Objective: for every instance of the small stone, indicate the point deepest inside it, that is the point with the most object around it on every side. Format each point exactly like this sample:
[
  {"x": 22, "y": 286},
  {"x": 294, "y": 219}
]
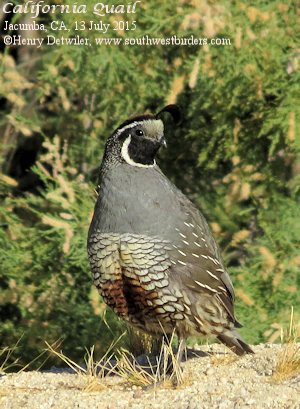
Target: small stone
[
  {"x": 209, "y": 371},
  {"x": 243, "y": 392},
  {"x": 267, "y": 346},
  {"x": 137, "y": 394}
]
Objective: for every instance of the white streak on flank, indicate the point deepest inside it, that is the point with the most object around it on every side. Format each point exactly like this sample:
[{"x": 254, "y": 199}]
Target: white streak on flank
[
  {"x": 220, "y": 269},
  {"x": 202, "y": 255},
  {"x": 175, "y": 247},
  {"x": 196, "y": 235},
  {"x": 203, "y": 239},
  {"x": 197, "y": 244},
  {"x": 199, "y": 321},
  {"x": 222, "y": 288},
  {"x": 212, "y": 275},
  {"x": 201, "y": 285},
  {"x": 187, "y": 224},
  {"x": 182, "y": 235},
  {"x": 173, "y": 262},
  {"x": 181, "y": 262},
  {"x": 191, "y": 224},
  {"x": 195, "y": 255},
  {"x": 181, "y": 252},
  {"x": 214, "y": 260},
  {"x": 206, "y": 286},
  {"x": 186, "y": 242},
  {"x": 176, "y": 229},
  {"x": 127, "y": 158}
]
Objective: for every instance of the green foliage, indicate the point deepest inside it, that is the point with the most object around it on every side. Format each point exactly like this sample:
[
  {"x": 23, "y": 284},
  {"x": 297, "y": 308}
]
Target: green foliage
[
  {"x": 235, "y": 154},
  {"x": 46, "y": 285}
]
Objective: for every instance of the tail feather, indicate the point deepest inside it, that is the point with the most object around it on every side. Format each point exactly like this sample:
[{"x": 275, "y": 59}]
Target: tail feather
[{"x": 235, "y": 342}]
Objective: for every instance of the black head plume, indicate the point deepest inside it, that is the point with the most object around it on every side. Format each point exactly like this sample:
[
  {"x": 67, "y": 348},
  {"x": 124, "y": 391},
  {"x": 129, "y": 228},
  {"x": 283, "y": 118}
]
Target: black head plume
[{"x": 172, "y": 109}]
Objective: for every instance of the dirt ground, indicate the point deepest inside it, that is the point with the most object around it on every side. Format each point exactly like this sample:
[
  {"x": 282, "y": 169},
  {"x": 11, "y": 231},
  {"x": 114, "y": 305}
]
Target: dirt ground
[{"x": 218, "y": 380}]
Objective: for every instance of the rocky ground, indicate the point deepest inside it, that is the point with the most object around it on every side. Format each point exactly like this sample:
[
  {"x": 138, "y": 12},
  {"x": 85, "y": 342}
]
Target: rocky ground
[{"x": 218, "y": 380}]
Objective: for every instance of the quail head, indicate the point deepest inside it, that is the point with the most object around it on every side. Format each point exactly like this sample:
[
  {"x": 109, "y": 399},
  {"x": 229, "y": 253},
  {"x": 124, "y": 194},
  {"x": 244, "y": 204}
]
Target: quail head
[{"x": 153, "y": 257}]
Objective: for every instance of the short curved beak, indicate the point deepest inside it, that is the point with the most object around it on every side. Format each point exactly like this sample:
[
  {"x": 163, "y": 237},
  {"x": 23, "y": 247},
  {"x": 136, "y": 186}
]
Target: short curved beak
[{"x": 163, "y": 142}]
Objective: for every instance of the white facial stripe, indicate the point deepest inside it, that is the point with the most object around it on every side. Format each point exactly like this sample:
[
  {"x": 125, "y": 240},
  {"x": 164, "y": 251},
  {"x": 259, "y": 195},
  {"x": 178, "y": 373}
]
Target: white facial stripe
[
  {"x": 127, "y": 158},
  {"x": 128, "y": 127},
  {"x": 136, "y": 123}
]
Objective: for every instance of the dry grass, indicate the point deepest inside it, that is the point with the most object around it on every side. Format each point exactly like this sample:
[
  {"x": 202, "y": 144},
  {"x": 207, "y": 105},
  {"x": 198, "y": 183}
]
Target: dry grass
[
  {"x": 7, "y": 362},
  {"x": 162, "y": 370},
  {"x": 93, "y": 372},
  {"x": 5, "y": 355},
  {"x": 288, "y": 363}
]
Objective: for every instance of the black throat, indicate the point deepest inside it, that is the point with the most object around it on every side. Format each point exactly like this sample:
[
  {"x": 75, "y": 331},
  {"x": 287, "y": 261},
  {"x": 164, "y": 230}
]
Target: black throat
[{"x": 143, "y": 151}]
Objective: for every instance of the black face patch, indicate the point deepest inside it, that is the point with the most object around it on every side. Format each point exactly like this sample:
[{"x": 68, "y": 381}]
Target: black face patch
[{"x": 142, "y": 150}]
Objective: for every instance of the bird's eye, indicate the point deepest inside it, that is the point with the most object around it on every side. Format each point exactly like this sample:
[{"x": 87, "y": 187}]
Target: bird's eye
[{"x": 139, "y": 132}]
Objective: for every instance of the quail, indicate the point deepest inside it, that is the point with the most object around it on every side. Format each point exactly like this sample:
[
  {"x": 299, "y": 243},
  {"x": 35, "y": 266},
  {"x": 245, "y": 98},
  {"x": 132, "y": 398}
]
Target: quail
[{"x": 152, "y": 254}]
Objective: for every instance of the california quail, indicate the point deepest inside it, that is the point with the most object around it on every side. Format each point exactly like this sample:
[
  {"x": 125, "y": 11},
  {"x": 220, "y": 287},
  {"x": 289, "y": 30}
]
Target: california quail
[{"x": 153, "y": 257}]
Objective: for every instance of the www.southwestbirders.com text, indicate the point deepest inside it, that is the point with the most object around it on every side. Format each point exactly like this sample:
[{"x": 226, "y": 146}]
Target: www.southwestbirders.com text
[
  {"x": 173, "y": 40},
  {"x": 50, "y": 40}
]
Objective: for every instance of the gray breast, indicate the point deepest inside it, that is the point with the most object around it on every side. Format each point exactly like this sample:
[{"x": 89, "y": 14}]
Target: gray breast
[{"x": 138, "y": 201}]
